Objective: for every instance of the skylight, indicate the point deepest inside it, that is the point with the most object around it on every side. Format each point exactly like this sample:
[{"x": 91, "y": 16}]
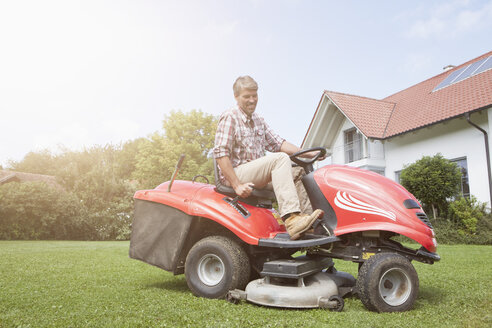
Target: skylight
[{"x": 465, "y": 72}]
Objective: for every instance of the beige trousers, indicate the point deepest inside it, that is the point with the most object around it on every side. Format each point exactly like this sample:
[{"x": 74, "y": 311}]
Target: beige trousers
[{"x": 275, "y": 172}]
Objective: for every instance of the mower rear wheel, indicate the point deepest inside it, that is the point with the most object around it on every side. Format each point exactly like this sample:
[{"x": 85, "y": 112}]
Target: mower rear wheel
[
  {"x": 216, "y": 265},
  {"x": 388, "y": 282}
]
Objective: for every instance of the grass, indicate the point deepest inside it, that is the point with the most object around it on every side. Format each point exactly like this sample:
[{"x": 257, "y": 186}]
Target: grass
[{"x": 95, "y": 284}]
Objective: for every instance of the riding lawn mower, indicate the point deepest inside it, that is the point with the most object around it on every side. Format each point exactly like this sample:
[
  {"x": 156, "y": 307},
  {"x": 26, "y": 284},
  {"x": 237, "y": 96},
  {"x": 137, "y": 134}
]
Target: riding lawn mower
[{"x": 238, "y": 249}]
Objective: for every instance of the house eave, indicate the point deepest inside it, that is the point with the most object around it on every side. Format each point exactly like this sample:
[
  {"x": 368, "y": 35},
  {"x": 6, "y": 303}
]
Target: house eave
[{"x": 433, "y": 123}]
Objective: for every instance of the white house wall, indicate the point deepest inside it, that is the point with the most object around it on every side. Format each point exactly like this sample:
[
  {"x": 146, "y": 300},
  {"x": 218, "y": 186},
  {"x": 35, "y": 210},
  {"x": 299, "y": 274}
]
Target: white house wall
[
  {"x": 376, "y": 150},
  {"x": 453, "y": 139}
]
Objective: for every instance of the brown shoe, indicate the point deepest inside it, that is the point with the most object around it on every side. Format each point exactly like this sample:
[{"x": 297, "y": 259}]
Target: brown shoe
[{"x": 298, "y": 223}]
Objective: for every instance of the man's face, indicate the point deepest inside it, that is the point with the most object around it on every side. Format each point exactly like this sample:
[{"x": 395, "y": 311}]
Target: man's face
[{"x": 247, "y": 100}]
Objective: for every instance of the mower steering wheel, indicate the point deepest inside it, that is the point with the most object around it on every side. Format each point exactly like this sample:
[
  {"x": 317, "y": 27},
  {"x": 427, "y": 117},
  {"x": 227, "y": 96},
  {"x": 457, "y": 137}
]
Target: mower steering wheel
[{"x": 303, "y": 163}]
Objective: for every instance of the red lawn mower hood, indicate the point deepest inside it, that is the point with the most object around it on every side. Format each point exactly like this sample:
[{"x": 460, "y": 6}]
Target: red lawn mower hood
[{"x": 364, "y": 200}]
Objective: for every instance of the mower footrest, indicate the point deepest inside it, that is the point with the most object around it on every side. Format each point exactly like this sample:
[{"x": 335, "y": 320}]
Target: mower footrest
[{"x": 282, "y": 240}]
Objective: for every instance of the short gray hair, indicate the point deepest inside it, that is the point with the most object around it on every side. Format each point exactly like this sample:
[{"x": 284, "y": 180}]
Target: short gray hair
[{"x": 244, "y": 82}]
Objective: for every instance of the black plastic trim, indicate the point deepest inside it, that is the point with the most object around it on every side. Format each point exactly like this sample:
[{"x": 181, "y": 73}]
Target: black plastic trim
[
  {"x": 424, "y": 253},
  {"x": 423, "y": 217},
  {"x": 410, "y": 203},
  {"x": 238, "y": 207},
  {"x": 319, "y": 201}
]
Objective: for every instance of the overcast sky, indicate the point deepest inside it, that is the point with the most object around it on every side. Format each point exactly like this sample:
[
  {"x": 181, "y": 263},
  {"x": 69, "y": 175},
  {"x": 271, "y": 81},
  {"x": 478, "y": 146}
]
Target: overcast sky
[{"x": 79, "y": 73}]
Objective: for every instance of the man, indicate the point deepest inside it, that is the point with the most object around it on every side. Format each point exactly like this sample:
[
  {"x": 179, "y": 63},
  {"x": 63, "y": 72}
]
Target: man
[{"x": 240, "y": 143}]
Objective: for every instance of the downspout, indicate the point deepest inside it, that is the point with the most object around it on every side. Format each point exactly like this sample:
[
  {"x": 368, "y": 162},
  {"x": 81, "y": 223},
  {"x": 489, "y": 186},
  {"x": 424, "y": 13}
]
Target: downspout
[{"x": 487, "y": 153}]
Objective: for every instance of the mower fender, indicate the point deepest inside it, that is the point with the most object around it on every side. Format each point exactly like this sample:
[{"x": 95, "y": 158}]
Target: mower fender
[
  {"x": 254, "y": 224},
  {"x": 428, "y": 241},
  {"x": 201, "y": 200}
]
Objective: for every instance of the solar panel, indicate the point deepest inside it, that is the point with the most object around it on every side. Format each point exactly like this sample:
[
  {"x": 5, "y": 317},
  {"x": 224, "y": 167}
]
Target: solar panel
[
  {"x": 469, "y": 70},
  {"x": 447, "y": 81},
  {"x": 486, "y": 65},
  {"x": 459, "y": 75}
]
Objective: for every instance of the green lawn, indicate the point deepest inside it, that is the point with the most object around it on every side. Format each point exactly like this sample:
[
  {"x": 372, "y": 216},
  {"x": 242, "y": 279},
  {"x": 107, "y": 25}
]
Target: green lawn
[{"x": 95, "y": 284}]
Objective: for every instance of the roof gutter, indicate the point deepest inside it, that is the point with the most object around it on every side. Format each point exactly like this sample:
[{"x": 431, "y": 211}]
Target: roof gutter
[{"x": 487, "y": 152}]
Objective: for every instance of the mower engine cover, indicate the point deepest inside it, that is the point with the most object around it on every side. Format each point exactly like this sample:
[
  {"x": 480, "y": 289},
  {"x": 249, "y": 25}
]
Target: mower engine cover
[{"x": 363, "y": 201}]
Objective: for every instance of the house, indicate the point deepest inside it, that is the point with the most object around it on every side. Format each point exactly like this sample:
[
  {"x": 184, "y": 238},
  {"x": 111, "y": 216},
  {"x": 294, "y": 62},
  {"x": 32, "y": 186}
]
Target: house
[
  {"x": 450, "y": 113},
  {"x": 13, "y": 176}
]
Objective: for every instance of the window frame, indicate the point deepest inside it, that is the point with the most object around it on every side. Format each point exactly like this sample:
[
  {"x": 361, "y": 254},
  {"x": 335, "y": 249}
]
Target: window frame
[{"x": 351, "y": 153}]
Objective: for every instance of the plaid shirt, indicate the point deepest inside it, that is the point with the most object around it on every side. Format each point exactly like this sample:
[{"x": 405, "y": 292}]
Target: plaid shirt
[{"x": 244, "y": 139}]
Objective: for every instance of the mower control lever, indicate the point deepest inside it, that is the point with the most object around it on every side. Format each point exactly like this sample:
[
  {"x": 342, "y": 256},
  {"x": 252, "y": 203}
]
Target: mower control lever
[{"x": 178, "y": 166}]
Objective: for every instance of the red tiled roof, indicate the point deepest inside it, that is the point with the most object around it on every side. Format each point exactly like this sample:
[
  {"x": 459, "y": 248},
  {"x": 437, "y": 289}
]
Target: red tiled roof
[
  {"x": 417, "y": 106},
  {"x": 10, "y": 176},
  {"x": 368, "y": 120}
]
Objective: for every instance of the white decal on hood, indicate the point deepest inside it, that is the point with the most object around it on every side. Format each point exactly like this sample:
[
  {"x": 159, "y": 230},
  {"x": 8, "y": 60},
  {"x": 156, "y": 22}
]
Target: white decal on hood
[{"x": 350, "y": 203}]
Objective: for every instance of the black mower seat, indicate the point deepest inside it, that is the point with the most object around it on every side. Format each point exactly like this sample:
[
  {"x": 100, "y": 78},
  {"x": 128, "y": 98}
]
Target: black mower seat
[{"x": 229, "y": 191}]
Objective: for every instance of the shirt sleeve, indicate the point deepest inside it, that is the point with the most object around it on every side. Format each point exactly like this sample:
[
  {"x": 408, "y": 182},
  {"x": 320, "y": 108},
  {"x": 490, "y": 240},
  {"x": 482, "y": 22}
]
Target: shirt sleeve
[
  {"x": 273, "y": 140},
  {"x": 224, "y": 137}
]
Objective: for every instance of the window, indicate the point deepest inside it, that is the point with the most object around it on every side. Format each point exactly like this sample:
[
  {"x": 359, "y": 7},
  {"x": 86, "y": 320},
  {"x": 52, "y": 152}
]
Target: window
[
  {"x": 397, "y": 176},
  {"x": 352, "y": 145},
  {"x": 465, "y": 187}
]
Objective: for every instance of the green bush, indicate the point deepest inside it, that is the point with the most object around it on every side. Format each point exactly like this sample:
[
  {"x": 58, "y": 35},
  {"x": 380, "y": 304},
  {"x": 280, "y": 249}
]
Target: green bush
[
  {"x": 113, "y": 221},
  {"x": 36, "y": 210},
  {"x": 467, "y": 212},
  {"x": 450, "y": 232},
  {"x": 108, "y": 203}
]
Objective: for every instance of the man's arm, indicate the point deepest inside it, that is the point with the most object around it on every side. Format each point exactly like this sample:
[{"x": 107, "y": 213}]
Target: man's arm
[
  {"x": 290, "y": 149},
  {"x": 242, "y": 189},
  {"x": 223, "y": 146}
]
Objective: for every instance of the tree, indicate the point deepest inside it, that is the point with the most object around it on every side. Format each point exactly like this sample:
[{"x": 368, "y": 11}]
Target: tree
[
  {"x": 98, "y": 200},
  {"x": 189, "y": 133},
  {"x": 432, "y": 180},
  {"x": 97, "y": 180},
  {"x": 42, "y": 162},
  {"x": 126, "y": 158},
  {"x": 93, "y": 176}
]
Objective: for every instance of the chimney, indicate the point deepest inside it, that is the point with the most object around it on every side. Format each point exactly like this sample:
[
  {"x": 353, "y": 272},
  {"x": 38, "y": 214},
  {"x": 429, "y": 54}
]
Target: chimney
[{"x": 447, "y": 68}]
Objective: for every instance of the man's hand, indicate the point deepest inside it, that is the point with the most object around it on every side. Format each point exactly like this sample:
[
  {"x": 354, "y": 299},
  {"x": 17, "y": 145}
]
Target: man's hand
[
  {"x": 311, "y": 154},
  {"x": 290, "y": 149},
  {"x": 244, "y": 190}
]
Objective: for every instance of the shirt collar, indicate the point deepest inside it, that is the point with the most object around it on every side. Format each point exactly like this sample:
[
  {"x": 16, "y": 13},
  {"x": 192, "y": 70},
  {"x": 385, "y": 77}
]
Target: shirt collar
[{"x": 245, "y": 118}]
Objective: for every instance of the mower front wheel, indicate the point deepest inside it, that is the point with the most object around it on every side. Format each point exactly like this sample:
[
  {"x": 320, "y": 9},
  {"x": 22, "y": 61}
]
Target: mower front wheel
[
  {"x": 388, "y": 282},
  {"x": 216, "y": 265}
]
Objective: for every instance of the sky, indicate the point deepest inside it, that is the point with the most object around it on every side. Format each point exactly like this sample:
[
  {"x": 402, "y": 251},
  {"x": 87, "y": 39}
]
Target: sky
[{"x": 74, "y": 74}]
